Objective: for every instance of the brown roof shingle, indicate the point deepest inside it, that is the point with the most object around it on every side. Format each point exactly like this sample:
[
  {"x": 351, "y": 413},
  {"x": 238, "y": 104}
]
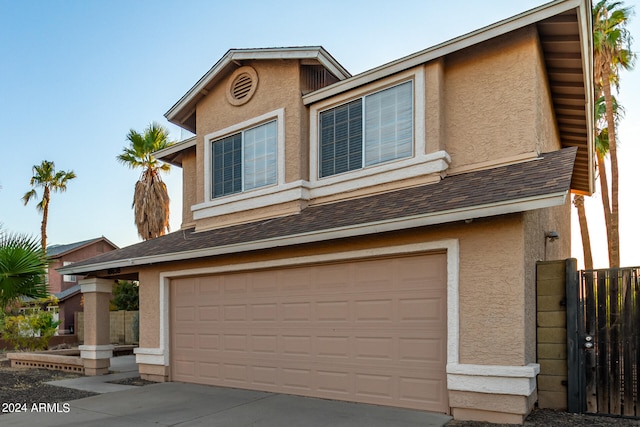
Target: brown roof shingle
[{"x": 546, "y": 175}]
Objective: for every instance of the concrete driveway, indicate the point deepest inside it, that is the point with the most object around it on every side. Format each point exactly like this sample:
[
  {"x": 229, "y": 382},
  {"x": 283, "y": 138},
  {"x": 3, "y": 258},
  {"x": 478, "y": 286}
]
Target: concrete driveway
[{"x": 178, "y": 404}]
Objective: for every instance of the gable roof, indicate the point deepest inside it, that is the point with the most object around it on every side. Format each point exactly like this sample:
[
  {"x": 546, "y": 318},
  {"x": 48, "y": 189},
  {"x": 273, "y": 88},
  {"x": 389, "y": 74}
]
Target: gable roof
[
  {"x": 535, "y": 184},
  {"x": 182, "y": 113},
  {"x": 56, "y": 251},
  {"x": 565, "y": 32}
]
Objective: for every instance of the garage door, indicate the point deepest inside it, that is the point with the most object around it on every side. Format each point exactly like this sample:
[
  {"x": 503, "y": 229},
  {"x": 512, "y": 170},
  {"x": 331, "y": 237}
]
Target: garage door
[{"x": 371, "y": 331}]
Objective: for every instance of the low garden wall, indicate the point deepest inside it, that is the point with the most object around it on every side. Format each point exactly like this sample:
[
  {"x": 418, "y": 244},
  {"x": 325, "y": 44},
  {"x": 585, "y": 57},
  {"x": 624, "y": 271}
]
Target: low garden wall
[{"x": 54, "y": 341}]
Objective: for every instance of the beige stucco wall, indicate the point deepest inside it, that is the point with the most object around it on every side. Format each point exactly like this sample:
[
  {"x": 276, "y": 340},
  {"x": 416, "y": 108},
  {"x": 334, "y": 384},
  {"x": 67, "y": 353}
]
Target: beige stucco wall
[
  {"x": 189, "y": 188},
  {"x": 485, "y": 106},
  {"x": 490, "y": 95},
  {"x": 149, "y": 303},
  {"x": 492, "y": 283},
  {"x": 278, "y": 87}
]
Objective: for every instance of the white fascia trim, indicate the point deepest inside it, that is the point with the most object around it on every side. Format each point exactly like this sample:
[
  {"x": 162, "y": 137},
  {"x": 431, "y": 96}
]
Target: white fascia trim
[
  {"x": 258, "y": 198},
  {"x": 175, "y": 148},
  {"x": 278, "y": 116},
  {"x": 483, "y": 211},
  {"x": 451, "y": 246},
  {"x": 247, "y": 54},
  {"x": 483, "y": 34},
  {"x": 317, "y": 53},
  {"x": 512, "y": 380}
]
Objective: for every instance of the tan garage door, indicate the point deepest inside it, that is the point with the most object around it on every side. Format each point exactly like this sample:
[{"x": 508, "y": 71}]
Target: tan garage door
[{"x": 370, "y": 331}]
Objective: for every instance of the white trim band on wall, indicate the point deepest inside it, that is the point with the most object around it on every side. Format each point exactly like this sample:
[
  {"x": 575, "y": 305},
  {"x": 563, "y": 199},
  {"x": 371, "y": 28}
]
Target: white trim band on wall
[
  {"x": 150, "y": 356},
  {"x": 513, "y": 380},
  {"x": 95, "y": 352}
]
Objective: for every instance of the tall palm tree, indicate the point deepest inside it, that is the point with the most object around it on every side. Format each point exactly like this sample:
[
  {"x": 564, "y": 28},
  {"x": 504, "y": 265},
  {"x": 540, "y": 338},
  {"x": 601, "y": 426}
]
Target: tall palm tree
[
  {"x": 578, "y": 201},
  {"x": 46, "y": 177},
  {"x": 612, "y": 52},
  {"x": 23, "y": 265},
  {"x": 150, "y": 197}
]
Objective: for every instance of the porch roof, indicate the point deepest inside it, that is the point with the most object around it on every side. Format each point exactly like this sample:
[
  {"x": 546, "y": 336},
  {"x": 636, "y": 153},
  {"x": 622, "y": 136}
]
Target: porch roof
[{"x": 534, "y": 184}]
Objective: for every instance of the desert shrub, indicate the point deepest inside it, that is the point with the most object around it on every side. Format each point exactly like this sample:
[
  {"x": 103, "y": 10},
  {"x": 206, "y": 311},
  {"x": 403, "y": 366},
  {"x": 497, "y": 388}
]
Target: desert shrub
[{"x": 30, "y": 331}]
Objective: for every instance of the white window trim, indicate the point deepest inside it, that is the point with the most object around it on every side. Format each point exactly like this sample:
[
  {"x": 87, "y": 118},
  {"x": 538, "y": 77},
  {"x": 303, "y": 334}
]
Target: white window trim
[
  {"x": 209, "y": 201},
  {"x": 417, "y": 165}
]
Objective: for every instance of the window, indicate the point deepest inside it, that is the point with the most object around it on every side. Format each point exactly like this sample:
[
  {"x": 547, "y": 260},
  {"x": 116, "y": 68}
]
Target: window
[
  {"x": 374, "y": 129},
  {"x": 245, "y": 160},
  {"x": 66, "y": 277}
]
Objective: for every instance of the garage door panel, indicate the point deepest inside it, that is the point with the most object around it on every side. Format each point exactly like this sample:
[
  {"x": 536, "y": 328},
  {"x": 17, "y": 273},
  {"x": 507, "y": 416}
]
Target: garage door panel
[{"x": 368, "y": 331}]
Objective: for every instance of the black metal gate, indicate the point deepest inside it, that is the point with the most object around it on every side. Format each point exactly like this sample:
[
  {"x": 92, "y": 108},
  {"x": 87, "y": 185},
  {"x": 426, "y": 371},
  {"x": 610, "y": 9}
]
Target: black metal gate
[{"x": 603, "y": 341}]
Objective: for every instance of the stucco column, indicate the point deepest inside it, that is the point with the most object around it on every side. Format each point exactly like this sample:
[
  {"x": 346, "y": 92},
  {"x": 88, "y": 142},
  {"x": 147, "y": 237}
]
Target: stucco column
[{"x": 97, "y": 350}]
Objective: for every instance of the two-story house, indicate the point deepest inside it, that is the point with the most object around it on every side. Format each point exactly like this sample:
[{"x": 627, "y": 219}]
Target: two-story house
[{"x": 369, "y": 238}]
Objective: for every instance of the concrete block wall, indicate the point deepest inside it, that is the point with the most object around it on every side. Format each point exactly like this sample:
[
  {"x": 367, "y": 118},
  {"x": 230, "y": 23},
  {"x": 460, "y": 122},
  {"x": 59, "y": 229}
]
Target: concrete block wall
[
  {"x": 121, "y": 327},
  {"x": 552, "y": 335}
]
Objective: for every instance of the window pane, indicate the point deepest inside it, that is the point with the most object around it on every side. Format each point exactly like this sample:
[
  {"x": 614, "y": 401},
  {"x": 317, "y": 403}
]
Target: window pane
[
  {"x": 341, "y": 139},
  {"x": 389, "y": 124},
  {"x": 227, "y": 165},
  {"x": 260, "y": 165}
]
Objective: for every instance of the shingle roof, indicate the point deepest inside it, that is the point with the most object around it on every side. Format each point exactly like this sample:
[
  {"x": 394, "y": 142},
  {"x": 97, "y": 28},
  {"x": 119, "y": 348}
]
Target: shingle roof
[
  {"x": 57, "y": 250},
  {"x": 67, "y": 293},
  {"x": 547, "y": 175}
]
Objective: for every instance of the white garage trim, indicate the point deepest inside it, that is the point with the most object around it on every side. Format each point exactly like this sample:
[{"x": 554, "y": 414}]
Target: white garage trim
[{"x": 459, "y": 376}]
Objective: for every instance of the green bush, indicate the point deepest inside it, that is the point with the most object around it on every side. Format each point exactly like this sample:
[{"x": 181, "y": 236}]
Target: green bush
[{"x": 30, "y": 331}]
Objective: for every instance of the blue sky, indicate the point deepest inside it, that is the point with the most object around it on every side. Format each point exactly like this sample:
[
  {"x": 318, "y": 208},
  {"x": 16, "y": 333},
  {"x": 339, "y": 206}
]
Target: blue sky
[{"x": 76, "y": 75}]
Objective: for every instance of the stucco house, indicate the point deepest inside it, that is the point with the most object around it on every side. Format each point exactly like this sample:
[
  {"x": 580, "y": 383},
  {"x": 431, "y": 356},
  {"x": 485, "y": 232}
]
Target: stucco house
[
  {"x": 66, "y": 287},
  {"x": 369, "y": 238}
]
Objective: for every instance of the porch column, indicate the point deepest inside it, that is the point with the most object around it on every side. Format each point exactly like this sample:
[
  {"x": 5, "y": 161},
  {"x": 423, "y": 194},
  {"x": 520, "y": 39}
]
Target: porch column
[{"x": 97, "y": 350}]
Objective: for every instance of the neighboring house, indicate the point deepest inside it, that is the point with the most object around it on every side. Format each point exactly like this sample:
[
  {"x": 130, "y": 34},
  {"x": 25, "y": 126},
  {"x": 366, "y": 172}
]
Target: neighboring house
[
  {"x": 65, "y": 287},
  {"x": 369, "y": 238}
]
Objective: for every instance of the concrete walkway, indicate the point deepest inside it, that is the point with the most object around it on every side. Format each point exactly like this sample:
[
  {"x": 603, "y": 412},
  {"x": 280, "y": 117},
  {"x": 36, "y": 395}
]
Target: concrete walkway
[
  {"x": 121, "y": 367},
  {"x": 179, "y": 404}
]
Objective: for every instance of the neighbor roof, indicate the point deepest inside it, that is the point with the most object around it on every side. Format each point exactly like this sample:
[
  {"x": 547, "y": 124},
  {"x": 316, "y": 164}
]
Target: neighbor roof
[
  {"x": 535, "y": 184},
  {"x": 56, "y": 251}
]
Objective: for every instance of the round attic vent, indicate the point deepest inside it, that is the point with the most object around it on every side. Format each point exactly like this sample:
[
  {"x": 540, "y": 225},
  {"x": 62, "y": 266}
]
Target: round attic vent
[{"x": 242, "y": 85}]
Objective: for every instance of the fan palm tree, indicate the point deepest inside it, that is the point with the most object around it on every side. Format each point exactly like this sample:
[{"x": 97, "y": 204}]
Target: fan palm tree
[
  {"x": 23, "y": 266},
  {"x": 150, "y": 197},
  {"x": 46, "y": 177},
  {"x": 612, "y": 52}
]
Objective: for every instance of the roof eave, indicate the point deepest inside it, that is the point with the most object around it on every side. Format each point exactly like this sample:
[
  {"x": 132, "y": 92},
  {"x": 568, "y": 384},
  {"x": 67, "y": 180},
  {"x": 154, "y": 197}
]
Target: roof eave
[
  {"x": 172, "y": 154},
  {"x": 456, "y": 44},
  {"x": 185, "y": 107},
  {"x": 443, "y": 217}
]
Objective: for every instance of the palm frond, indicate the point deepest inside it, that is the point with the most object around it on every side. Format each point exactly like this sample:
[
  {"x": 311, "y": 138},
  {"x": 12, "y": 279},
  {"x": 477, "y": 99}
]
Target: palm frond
[{"x": 23, "y": 266}]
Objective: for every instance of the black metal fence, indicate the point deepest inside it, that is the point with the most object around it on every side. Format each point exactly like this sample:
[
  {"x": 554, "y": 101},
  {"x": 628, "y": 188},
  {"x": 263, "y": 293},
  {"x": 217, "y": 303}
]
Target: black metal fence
[{"x": 606, "y": 343}]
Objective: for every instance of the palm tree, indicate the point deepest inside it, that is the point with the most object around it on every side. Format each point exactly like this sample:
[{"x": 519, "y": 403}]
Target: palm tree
[
  {"x": 46, "y": 177},
  {"x": 150, "y": 197},
  {"x": 578, "y": 201},
  {"x": 23, "y": 266},
  {"x": 611, "y": 45}
]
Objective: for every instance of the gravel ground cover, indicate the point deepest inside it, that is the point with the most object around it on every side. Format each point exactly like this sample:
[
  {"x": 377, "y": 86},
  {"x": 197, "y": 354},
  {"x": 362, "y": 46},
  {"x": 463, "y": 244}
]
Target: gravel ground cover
[{"x": 550, "y": 418}]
